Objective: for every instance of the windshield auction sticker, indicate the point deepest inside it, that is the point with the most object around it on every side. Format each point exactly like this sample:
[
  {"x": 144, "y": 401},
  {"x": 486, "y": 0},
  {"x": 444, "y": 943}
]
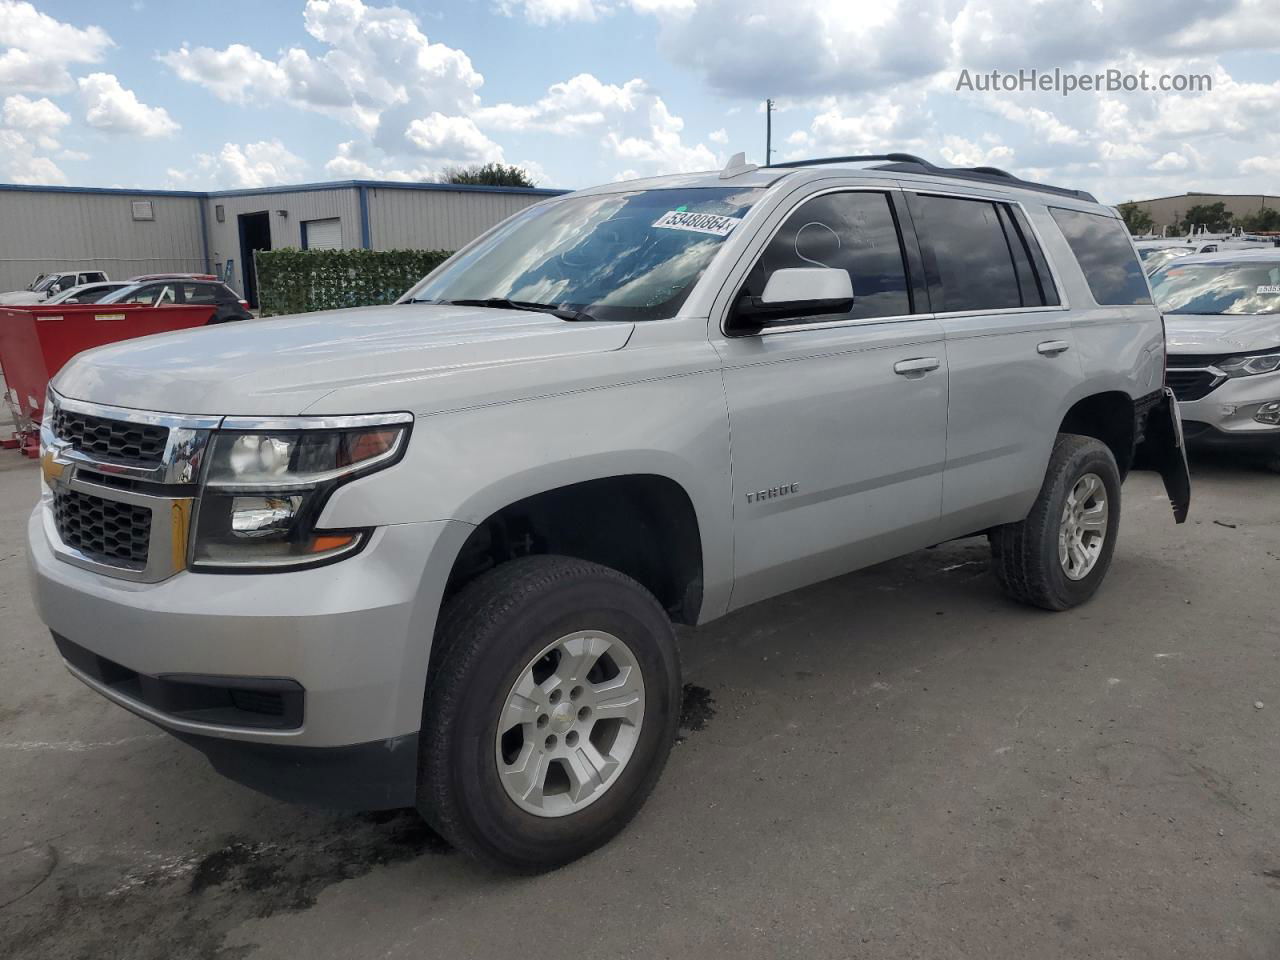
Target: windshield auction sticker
[
  {"x": 1269, "y": 288},
  {"x": 697, "y": 222}
]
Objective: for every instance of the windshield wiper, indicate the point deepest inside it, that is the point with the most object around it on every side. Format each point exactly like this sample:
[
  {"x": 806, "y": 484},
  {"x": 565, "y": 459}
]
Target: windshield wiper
[{"x": 504, "y": 303}]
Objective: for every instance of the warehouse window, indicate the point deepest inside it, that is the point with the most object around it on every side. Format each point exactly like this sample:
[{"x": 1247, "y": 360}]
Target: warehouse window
[
  {"x": 142, "y": 210},
  {"x": 322, "y": 234}
]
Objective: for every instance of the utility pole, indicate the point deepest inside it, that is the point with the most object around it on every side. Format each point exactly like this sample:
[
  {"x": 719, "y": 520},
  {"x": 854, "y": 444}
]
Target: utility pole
[{"x": 768, "y": 132}]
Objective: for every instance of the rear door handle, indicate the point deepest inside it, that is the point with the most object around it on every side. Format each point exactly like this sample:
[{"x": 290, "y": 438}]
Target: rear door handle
[
  {"x": 919, "y": 365},
  {"x": 1053, "y": 348}
]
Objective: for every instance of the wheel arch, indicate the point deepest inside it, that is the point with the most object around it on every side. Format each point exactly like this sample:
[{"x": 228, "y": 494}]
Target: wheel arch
[
  {"x": 642, "y": 523},
  {"x": 1107, "y": 416}
]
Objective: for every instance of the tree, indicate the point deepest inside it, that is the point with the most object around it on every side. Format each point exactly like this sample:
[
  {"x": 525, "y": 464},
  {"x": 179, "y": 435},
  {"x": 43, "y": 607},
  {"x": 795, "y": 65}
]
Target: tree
[
  {"x": 1208, "y": 216},
  {"x": 1136, "y": 219},
  {"x": 1265, "y": 219},
  {"x": 490, "y": 175}
]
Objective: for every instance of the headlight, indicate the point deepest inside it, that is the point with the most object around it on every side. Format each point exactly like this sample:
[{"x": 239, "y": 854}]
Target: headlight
[
  {"x": 264, "y": 491},
  {"x": 1250, "y": 366}
]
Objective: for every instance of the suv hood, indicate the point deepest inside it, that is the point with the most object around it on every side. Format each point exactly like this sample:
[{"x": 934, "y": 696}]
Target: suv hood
[
  {"x": 20, "y": 298},
  {"x": 282, "y": 366},
  {"x": 1221, "y": 333}
]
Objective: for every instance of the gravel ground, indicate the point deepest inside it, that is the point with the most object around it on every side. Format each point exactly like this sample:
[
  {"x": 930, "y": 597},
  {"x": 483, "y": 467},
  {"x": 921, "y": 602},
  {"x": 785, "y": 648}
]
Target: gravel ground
[{"x": 897, "y": 763}]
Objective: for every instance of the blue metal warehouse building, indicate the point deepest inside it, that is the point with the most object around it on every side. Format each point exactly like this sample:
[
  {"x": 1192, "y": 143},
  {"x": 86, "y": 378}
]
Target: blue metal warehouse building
[{"x": 129, "y": 232}]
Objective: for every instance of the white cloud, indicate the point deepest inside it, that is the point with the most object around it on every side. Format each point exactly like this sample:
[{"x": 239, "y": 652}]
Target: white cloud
[
  {"x": 42, "y": 116},
  {"x": 633, "y": 122},
  {"x": 720, "y": 136},
  {"x": 661, "y": 150},
  {"x": 112, "y": 108},
  {"x": 542, "y": 12},
  {"x": 1264, "y": 166},
  {"x": 379, "y": 71},
  {"x": 451, "y": 138},
  {"x": 36, "y": 48},
  {"x": 578, "y": 103},
  {"x": 261, "y": 164},
  {"x": 1171, "y": 161},
  {"x": 20, "y": 161}
]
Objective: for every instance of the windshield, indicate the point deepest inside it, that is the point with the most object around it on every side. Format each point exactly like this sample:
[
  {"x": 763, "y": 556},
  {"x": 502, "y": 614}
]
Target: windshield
[
  {"x": 84, "y": 294},
  {"x": 1241, "y": 289},
  {"x": 1153, "y": 258},
  {"x": 46, "y": 283},
  {"x": 616, "y": 256}
]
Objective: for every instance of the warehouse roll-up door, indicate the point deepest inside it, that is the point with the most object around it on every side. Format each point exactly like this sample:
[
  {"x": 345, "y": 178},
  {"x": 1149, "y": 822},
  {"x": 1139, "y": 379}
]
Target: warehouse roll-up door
[{"x": 322, "y": 234}]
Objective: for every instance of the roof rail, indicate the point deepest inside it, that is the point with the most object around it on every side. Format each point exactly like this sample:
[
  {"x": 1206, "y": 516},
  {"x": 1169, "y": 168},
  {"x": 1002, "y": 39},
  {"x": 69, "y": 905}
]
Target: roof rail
[{"x": 908, "y": 163}]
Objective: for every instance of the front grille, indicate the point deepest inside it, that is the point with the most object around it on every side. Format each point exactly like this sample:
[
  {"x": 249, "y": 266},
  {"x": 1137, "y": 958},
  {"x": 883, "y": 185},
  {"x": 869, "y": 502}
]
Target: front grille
[
  {"x": 115, "y": 533},
  {"x": 113, "y": 439},
  {"x": 1192, "y": 384}
]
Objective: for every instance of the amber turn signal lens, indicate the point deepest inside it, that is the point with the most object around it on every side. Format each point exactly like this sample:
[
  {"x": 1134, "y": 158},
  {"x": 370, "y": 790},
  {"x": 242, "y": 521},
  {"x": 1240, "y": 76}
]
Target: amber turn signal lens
[
  {"x": 358, "y": 447},
  {"x": 331, "y": 541}
]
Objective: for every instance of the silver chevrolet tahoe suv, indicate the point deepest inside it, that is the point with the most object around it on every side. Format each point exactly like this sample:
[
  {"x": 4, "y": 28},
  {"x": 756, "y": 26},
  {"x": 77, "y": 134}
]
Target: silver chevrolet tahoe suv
[{"x": 430, "y": 553}]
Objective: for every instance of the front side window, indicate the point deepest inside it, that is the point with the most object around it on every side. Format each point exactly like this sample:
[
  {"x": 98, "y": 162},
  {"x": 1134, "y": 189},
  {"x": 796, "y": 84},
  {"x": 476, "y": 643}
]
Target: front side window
[
  {"x": 1239, "y": 289},
  {"x": 1105, "y": 254},
  {"x": 145, "y": 294},
  {"x": 615, "y": 256},
  {"x": 855, "y": 232}
]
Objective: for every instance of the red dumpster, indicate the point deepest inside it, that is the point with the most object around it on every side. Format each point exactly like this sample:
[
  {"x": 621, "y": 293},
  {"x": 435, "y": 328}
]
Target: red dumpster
[{"x": 36, "y": 341}]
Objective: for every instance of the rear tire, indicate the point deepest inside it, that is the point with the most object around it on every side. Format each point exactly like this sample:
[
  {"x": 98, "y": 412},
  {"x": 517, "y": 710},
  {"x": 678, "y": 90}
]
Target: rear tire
[
  {"x": 1059, "y": 555},
  {"x": 550, "y": 712}
]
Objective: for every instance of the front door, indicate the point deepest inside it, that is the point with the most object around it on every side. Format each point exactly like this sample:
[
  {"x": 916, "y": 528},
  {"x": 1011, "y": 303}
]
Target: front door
[{"x": 837, "y": 422}]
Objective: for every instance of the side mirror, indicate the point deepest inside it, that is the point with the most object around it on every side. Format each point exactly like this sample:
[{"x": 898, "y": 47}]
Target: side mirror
[{"x": 796, "y": 292}]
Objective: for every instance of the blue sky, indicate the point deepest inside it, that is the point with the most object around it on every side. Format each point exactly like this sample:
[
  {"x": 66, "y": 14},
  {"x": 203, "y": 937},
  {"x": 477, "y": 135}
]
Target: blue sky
[{"x": 237, "y": 93}]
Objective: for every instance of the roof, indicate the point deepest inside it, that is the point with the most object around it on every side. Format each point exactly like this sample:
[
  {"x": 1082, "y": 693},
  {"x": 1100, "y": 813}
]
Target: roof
[
  {"x": 760, "y": 177},
  {"x": 286, "y": 188},
  {"x": 1265, "y": 255}
]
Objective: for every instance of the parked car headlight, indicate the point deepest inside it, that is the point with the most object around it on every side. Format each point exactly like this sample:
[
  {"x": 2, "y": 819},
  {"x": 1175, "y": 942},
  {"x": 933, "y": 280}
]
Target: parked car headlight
[
  {"x": 264, "y": 491},
  {"x": 1250, "y": 366}
]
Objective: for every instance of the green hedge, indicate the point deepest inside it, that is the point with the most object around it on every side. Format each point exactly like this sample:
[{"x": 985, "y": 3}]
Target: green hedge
[{"x": 299, "y": 281}]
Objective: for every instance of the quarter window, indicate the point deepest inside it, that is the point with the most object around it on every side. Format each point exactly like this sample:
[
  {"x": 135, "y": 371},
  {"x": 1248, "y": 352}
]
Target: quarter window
[
  {"x": 856, "y": 232},
  {"x": 1105, "y": 254}
]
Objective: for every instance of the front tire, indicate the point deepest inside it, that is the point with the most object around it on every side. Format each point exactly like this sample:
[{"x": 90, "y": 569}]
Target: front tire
[
  {"x": 550, "y": 712},
  {"x": 1059, "y": 555}
]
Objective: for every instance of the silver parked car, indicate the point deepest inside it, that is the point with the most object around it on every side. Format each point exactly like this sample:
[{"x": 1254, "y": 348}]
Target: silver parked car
[
  {"x": 1222, "y": 312},
  {"x": 430, "y": 553}
]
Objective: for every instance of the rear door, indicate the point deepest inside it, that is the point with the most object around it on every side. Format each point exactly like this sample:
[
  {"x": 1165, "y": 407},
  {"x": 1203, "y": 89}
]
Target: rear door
[
  {"x": 1010, "y": 351},
  {"x": 837, "y": 422}
]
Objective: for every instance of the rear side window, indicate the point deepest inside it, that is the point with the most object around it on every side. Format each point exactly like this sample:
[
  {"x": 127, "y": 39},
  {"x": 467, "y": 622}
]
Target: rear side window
[
  {"x": 856, "y": 232},
  {"x": 1103, "y": 249},
  {"x": 980, "y": 256},
  {"x": 198, "y": 293}
]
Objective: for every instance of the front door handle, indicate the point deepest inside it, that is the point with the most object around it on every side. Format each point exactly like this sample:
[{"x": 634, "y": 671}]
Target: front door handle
[
  {"x": 1053, "y": 348},
  {"x": 917, "y": 366}
]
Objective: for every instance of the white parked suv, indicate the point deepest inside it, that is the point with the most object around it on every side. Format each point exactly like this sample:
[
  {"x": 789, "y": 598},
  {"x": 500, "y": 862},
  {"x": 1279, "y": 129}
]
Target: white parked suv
[
  {"x": 430, "y": 553},
  {"x": 1222, "y": 311}
]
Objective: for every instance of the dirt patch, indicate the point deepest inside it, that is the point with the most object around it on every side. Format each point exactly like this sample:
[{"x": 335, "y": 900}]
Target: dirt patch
[
  {"x": 696, "y": 708},
  {"x": 181, "y": 907}
]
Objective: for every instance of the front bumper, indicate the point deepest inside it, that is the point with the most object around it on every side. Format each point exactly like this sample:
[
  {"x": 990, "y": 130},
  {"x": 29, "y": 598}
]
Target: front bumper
[
  {"x": 1229, "y": 409},
  {"x": 354, "y": 637},
  {"x": 1207, "y": 438}
]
